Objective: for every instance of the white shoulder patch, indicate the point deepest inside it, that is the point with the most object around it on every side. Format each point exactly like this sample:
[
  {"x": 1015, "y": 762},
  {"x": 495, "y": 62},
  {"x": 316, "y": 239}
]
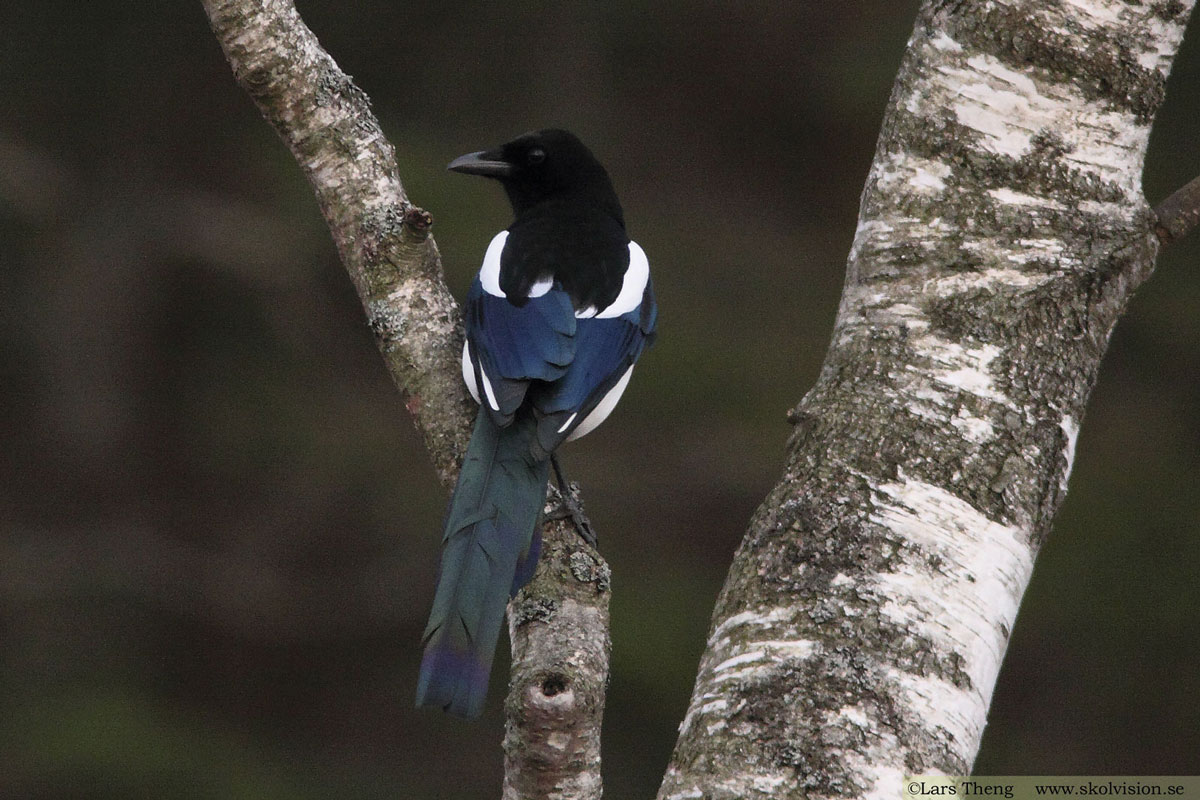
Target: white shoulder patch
[
  {"x": 489, "y": 273},
  {"x": 632, "y": 287},
  {"x": 541, "y": 287},
  {"x": 468, "y": 370}
]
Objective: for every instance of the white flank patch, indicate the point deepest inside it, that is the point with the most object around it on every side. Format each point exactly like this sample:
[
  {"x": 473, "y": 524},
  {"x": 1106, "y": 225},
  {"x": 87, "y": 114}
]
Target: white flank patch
[
  {"x": 959, "y": 585},
  {"x": 468, "y": 370},
  {"x": 602, "y": 409},
  {"x": 489, "y": 273}
]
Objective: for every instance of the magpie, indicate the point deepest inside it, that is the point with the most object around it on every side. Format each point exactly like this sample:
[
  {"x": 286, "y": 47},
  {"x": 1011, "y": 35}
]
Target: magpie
[{"x": 560, "y": 311}]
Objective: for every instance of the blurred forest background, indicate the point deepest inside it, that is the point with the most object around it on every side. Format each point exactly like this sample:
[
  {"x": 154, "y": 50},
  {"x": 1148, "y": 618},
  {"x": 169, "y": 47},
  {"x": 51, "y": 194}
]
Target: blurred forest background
[{"x": 219, "y": 529}]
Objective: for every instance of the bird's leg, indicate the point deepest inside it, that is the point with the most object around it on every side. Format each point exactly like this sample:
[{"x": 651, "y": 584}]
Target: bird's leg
[{"x": 570, "y": 506}]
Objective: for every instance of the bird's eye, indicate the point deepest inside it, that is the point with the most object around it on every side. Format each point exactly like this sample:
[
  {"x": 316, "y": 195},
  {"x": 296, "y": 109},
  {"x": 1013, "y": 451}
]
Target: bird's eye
[{"x": 535, "y": 156}]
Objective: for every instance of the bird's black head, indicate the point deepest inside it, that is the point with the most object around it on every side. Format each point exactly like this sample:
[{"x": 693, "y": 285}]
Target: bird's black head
[{"x": 550, "y": 164}]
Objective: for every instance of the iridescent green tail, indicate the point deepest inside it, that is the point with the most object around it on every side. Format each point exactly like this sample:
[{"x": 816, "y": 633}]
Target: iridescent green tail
[{"x": 489, "y": 550}]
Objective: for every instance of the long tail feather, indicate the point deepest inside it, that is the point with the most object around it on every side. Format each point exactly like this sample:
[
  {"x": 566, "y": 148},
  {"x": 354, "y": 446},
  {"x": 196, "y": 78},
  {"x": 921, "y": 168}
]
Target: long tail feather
[{"x": 488, "y": 552}]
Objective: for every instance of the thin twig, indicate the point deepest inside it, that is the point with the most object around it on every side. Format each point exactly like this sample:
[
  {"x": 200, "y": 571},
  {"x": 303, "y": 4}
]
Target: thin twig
[{"x": 1179, "y": 213}]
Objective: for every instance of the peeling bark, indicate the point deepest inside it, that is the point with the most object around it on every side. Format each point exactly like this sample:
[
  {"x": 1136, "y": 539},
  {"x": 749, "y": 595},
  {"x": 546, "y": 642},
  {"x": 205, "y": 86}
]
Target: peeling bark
[
  {"x": 559, "y": 622},
  {"x": 1001, "y": 234}
]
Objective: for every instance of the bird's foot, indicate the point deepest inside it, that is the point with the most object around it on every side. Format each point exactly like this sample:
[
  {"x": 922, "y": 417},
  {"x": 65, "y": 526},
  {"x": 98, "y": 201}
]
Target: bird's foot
[{"x": 569, "y": 506}]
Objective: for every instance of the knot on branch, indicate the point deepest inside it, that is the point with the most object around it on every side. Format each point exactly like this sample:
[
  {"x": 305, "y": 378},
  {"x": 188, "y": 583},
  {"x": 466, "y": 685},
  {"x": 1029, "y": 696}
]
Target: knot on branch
[
  {"x": 418, "y": 221},
  {"x": 549, "y": 699},
  {"x": 796, "y": 416}
]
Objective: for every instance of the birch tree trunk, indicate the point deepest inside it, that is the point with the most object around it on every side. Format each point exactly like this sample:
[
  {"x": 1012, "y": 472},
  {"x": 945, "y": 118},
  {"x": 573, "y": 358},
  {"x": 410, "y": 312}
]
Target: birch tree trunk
[{"x": 1001, "y": 234}]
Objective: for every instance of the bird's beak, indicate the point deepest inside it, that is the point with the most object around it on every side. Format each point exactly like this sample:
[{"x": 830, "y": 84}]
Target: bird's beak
[{"x": 485, "y": 162}]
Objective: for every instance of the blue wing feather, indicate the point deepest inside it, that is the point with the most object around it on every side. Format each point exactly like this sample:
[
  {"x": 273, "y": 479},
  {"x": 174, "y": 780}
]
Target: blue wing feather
[
  {"x": 605, "y": 348},
  {"x": 541, "y": 351},
  {"x": 514, "y": 345}
]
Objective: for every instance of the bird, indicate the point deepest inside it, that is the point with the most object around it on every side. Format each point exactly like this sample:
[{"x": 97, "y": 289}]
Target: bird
[{"x": 561, "y": 310}]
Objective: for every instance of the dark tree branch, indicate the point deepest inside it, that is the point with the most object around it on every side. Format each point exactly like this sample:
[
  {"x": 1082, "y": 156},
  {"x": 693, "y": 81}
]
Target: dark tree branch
[
  {"x": 1179, "y": 214},
  {"x": 559, "y": 623}
]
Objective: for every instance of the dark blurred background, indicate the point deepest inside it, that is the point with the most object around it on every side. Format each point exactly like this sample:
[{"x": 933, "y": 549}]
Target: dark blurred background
[{"x": 218, "y": 527}]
